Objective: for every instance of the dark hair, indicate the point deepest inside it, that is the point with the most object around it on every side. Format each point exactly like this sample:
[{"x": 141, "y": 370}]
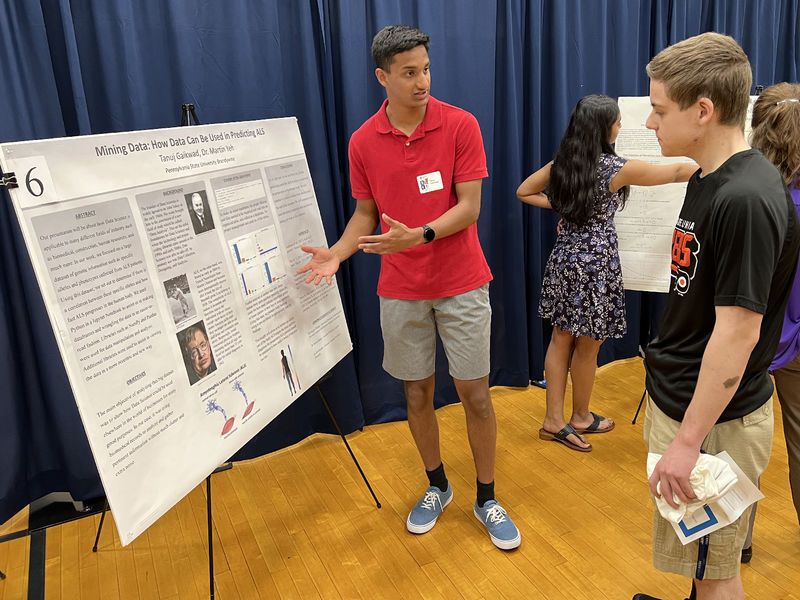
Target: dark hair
[
  {"x": 395, "y": 39},
  {"x": 573, "y": 176}
]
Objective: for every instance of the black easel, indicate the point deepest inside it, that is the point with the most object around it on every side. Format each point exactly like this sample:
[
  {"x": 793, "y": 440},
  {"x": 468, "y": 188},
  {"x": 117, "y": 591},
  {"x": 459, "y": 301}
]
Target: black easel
[
  {"x": 226, "y": 466},
  {"x": 229, "y": 465},
  {"x": 644, "y": 393},
  {"x": 187, "y": 110},
  {"x": 638, "y": 408},
  {"x": 188, "y": 114},
  {"x": 210, "y": 540},
  {"x": 9, "y": 181},
  {"x": 37, "y": 530}
]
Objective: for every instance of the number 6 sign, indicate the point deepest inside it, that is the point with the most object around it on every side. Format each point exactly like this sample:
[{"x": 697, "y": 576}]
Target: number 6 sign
[{"x": 34, "y": 181}]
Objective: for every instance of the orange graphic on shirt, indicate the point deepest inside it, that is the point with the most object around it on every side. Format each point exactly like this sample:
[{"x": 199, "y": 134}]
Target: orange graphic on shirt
[{"x": 685, "y": 247}]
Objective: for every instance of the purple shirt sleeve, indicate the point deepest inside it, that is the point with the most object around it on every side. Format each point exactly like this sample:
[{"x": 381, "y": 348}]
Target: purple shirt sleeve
[{"x": 789, "y": 346}]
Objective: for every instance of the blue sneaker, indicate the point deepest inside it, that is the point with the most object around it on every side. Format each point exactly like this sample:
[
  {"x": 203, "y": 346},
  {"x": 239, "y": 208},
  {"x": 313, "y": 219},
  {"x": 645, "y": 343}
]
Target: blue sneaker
[
  {"x": 502, "y": 530},
  {"x": 423, "y": 516}
]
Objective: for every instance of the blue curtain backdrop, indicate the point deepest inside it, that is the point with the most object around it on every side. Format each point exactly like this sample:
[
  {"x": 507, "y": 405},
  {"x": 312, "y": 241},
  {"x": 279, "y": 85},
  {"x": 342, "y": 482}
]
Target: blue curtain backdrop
[{"x": 73, "y": 67}]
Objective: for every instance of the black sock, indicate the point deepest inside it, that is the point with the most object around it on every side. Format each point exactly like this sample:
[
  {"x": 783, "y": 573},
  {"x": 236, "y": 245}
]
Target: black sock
[
  {"x": 437, "y": 477},
  {"x": 485, "y": 492}
]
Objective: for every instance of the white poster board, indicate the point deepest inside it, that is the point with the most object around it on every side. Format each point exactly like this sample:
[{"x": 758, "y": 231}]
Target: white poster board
[
  {"x": 167, "y": 260},
  {"x": 646, "y": 224}
]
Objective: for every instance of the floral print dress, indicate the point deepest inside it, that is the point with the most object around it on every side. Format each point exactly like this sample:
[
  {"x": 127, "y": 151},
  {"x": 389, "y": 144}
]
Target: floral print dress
[{"x": 582, "y": 290}]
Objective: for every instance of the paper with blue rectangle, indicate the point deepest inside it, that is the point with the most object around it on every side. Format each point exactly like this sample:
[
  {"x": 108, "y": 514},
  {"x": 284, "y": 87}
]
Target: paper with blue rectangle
[{"x": 723, "y": 511}]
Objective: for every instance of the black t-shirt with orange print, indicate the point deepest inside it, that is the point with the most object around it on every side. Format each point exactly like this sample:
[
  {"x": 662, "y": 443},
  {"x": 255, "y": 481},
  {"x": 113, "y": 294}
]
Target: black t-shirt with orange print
[{"x": 735, "y": 244}]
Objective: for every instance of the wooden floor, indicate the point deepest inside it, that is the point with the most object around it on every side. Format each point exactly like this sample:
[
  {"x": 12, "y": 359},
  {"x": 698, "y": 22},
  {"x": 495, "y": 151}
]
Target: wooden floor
[{"x": 300, "y": 523}]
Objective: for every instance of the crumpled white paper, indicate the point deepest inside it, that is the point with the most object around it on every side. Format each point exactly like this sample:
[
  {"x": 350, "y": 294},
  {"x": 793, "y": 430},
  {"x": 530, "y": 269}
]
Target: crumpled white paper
[{"x": 711, "y": 478}]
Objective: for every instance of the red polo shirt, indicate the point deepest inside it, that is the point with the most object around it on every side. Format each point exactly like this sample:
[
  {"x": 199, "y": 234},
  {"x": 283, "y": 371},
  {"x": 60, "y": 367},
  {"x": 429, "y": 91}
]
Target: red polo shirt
[{"x": 412, "y": 179}]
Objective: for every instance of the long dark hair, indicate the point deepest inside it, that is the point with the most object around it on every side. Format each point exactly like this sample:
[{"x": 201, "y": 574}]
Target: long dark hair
[{"x": 573, "y": 176}]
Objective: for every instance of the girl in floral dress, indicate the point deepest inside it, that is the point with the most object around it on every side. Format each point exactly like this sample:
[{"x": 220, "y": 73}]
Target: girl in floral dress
[{"x": 582, "y": 293}]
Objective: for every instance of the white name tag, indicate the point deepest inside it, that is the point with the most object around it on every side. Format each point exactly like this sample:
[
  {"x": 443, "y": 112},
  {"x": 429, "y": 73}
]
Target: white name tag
[{"x": 430, "y": 182}]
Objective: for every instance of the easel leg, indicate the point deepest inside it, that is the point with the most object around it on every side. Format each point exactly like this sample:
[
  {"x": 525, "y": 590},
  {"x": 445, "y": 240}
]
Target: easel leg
[
  {"x": 210, "y": 540},
  {"x": 639, "y": 407},
  {"x": 210, "y": 532},
  {"x": 344, "y": 439},
  {"x": 100, "y": 526},
  {"x": 36, "y": 565}
]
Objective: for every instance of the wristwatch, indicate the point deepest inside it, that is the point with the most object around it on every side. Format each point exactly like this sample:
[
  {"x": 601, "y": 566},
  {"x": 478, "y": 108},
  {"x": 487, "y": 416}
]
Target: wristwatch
[{"x": 428, "y": 233}]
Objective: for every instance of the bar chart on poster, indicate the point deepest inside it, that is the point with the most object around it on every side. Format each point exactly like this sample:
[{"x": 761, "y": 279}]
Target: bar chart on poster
[{"x": 167, "y": 260}]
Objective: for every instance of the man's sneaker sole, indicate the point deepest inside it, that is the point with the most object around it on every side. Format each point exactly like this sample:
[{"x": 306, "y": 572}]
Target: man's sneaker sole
[
  {"x": 502, "y": 544},
  {"x": 427, "y": 526}
]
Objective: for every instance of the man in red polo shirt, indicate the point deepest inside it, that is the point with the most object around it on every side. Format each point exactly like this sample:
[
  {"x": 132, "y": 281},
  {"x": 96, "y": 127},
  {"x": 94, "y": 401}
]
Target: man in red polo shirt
[{"x": 416, "y": 167}]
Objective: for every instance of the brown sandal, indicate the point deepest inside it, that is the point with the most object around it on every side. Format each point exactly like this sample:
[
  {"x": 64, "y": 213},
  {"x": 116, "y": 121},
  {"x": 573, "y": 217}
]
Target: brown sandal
[{"x": 561, "y": 437}]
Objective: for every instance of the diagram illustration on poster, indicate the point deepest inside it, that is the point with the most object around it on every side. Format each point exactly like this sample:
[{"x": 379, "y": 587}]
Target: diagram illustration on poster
[
  {"x": 237, "y": 385},
  {"x": 212, "y": 407}
]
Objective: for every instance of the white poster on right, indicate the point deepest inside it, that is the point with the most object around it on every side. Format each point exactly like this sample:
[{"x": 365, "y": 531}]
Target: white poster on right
[{"x": 646, "y": 224}]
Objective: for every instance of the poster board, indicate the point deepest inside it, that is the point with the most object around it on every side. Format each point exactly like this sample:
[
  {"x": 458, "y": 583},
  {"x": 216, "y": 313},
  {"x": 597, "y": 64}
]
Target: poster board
[
  {"x": 645, "y": 225},
  {"x": 167, "y": 261}
]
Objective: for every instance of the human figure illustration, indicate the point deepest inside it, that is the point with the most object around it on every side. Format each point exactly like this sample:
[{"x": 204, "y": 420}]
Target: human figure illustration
[{"x": 287, "y": 373}]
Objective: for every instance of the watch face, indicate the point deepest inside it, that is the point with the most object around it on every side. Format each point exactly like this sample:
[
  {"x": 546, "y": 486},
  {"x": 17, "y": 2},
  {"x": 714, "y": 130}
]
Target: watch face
[{"x": 428, "y": 233}]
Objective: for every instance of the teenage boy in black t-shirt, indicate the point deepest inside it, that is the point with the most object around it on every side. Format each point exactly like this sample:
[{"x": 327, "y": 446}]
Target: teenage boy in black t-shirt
[{"x": 734, "y": 252}]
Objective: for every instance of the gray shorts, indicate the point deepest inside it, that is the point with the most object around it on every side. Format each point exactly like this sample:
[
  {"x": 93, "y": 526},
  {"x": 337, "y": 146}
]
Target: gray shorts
[{"x": 409, "y": 335}]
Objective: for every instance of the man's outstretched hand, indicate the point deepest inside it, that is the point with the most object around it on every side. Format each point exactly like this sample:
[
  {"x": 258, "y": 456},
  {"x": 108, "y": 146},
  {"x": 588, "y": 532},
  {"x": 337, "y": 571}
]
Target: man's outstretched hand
[{"x": 323, "y": 264}]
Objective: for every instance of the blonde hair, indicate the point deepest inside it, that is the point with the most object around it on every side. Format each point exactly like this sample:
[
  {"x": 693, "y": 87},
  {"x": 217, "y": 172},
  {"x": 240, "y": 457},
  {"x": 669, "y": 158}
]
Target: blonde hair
[
  {"x": 776, "y": 127},
  {"x": 709, "y": 65}
]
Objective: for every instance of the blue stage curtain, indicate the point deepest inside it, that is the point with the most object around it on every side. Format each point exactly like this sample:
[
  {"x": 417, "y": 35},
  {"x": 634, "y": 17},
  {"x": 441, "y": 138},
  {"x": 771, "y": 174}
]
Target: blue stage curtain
[
  {"x": 92, "y": 67},
  {"x": 75, "y": 67},
  {"x": 42, "y": 442}
]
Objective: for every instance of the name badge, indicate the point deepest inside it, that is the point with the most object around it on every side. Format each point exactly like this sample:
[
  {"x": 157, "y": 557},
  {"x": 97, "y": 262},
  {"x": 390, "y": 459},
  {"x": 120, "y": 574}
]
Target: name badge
[{"x": 430, "y": 182}]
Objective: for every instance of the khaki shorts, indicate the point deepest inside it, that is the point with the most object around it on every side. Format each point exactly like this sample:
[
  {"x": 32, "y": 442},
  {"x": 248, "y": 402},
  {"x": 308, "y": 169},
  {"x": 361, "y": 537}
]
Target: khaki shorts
[
  {"x": 749, "y": 441},
  {"x": 409, "y": 335}
]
